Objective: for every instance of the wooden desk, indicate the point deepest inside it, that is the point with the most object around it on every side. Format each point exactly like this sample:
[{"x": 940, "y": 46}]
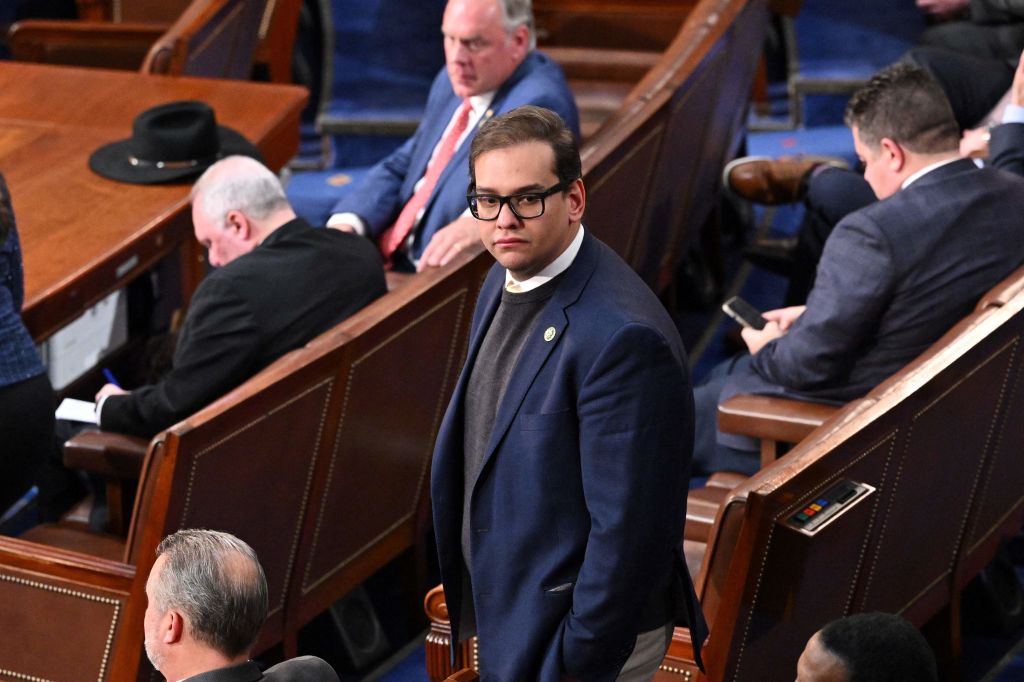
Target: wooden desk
[{"x": 84, "y": 236}]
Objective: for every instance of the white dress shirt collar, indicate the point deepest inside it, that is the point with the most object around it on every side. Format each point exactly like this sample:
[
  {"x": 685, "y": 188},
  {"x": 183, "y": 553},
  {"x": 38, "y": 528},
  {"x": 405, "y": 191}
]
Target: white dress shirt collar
[
  {"x": 553, "y": 269},
  {"x": 927, "y": 169}
]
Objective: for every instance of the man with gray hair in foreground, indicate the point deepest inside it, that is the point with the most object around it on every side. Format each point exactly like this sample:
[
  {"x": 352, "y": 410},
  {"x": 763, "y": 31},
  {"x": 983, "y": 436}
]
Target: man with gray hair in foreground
[
  {"x": 278, "y": 283},
  {"x": 207, "y": 602}
]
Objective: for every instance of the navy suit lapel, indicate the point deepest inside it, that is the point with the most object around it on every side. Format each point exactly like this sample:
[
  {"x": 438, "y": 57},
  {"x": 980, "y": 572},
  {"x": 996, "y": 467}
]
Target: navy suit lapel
[{"x": 545, "y": 337}]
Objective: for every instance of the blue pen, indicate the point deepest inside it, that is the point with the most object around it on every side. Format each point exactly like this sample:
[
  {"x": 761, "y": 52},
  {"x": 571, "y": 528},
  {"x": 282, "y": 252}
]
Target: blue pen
[{"x": 110, "y": 377}]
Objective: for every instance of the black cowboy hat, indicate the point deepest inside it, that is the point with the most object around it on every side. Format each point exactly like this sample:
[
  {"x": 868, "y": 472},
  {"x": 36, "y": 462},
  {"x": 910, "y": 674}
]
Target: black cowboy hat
[{"x": 170, "y": 142}]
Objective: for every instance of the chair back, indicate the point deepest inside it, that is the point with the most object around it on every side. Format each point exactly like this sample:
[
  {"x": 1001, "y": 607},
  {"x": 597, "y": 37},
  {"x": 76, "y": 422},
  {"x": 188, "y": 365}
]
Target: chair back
[
  {"x": 61, "y": 612},
  {"x": 395, "y": 377},
  {"x": 244, "y": 465},
  {"x": 212, "y": 38},
  {"x": 652, "y": 169}
]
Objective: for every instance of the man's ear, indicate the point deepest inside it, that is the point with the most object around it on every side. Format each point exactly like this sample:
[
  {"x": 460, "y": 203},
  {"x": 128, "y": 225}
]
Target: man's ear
[
  {"x": 172, "y": 627},
  {"x": 238, "y": 223},
  {"x": 576, "y": 199},
  {"x": 893, "y": 154},
  {"x": 520, "y": 37}
]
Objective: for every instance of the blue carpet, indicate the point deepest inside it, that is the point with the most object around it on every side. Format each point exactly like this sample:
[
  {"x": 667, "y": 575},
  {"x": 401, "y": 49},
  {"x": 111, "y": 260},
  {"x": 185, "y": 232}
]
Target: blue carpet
[
  {"x": 828, "y": 140},
  {"x": 413, "y": 668},
  {"x": 314, "y": 193},
  {"x": 838, "y": 39}
]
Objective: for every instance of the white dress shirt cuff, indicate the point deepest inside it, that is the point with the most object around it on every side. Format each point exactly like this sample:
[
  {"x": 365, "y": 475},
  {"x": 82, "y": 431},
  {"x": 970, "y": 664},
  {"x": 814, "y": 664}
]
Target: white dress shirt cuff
[
  {"x": 99, "y": 411},
  {"x": 1013, "y": 113},
  {"x": 348, "y": 218}
]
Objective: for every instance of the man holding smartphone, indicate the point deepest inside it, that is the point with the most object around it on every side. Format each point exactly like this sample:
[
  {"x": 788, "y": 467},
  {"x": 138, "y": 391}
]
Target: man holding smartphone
[{"x": 894, "y": 276}]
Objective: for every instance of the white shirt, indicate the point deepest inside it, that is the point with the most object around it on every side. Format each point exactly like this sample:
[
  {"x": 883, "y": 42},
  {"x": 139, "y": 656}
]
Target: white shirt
[
  {"x": 552, "y": 269},
  {"x": 927, "y": 169},
  {"x": 1013, "y": 113}
]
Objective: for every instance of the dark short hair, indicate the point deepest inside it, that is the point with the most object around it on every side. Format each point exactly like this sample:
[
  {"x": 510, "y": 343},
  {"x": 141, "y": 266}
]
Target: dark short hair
[
  {"x": 529, "y": 124},
  {"x": 903, "y": 103},
  {"x": 880, "y": 647},
  {"x": 217, "y": 582}
]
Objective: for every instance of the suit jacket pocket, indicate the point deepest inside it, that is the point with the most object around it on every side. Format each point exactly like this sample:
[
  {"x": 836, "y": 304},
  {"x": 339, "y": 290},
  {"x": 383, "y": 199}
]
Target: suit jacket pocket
[{"x": 546, "y": 421}]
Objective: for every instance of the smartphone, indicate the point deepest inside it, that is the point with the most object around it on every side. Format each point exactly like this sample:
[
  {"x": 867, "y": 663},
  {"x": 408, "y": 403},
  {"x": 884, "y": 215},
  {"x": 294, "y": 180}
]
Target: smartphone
[{"x": 744, "y": 313}]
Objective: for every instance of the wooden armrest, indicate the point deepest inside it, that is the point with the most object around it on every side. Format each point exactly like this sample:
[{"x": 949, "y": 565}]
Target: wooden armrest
[
  {"x": 771, "y": 418},
  {"x": 679, "y": 659},
  {"x": 725, "y": 479},
  {"x": 112, "y": 455},
  {"x": 702, "y": 506},
  {"x": 435, "y": 607},
  {"x": 464, "y": 675},
  {"x": 396, "y": 280},
  {"x": 83, "y": 43}
]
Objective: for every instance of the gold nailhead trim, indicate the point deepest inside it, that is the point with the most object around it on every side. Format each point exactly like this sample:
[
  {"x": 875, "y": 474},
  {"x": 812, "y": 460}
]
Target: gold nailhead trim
[{"x": 79, "y": 595}]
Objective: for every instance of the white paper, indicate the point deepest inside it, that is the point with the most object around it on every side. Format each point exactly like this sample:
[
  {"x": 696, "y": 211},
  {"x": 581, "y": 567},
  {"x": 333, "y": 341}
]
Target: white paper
[{"x": 77, "y": 411}]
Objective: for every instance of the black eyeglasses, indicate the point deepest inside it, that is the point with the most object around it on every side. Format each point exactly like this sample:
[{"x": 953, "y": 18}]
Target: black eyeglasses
[{"x": 525, "y": 205}]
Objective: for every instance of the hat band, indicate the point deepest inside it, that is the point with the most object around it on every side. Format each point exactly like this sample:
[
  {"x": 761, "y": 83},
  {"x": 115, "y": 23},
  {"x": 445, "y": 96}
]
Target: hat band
[{"x": 170, "y": 165}]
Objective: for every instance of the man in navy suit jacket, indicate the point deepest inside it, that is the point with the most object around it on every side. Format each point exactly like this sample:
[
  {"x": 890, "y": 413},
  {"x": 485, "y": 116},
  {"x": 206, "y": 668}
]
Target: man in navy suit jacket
[
  {"x": 894, "y": 276},
  {"x": 490, "y": 61},
  {"x": 561, "y": 469}
]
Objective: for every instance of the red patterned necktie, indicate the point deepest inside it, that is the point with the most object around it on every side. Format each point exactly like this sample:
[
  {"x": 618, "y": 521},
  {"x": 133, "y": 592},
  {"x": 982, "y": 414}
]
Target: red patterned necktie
[{"x": 395, "y": 236}]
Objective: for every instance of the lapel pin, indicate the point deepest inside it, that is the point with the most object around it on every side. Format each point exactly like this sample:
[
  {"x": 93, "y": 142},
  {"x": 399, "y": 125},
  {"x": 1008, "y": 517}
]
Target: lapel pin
[{"x": 549, "y": 333}]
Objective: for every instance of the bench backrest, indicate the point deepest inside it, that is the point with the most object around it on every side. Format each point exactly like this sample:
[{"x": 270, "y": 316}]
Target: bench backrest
[
  {"x": 613, "y": 24},
  {"x": 652, "y": 170},
  {"x": 61, "y": 612},
  {"x": 211, "y": 38},
  {"x": 371, "y": 498}
]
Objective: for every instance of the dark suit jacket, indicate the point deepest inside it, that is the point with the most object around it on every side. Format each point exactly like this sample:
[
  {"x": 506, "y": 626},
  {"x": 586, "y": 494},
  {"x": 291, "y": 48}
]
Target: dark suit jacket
[
  {"x": 893, "y": 278},
  {"x": 1006, "y": 148},
  {"x": 578, "y": 510},
  {"x": 380, "y": 197},
  {"x": 298, "y": 283},
  {"x": 301, "y": 669}
]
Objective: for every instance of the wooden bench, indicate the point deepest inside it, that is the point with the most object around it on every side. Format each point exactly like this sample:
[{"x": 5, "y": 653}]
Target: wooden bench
[
  {"x": 653, "y": 170},
  {"x": 302, "y": 461},
  {"x": 119, "y": 34},
  {"x": 606, "y": 47},
  {"x": 932, "y": 457}
]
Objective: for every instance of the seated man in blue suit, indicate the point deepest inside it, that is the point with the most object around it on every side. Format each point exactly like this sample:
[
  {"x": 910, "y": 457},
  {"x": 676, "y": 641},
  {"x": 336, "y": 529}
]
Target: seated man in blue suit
[
  {"x": 561, "y": 468},
  {"x": 829, "y": 194},
  {"x": 413, "y": 203},
  {"x": 894, "y": 276}
]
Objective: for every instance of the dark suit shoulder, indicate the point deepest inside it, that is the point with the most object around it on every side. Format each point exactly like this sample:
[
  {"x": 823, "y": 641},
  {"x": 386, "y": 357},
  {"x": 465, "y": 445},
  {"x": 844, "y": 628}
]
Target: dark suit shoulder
[
  {"x": 302, "y": 669},
  {"x": 615, "y": 297}
]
